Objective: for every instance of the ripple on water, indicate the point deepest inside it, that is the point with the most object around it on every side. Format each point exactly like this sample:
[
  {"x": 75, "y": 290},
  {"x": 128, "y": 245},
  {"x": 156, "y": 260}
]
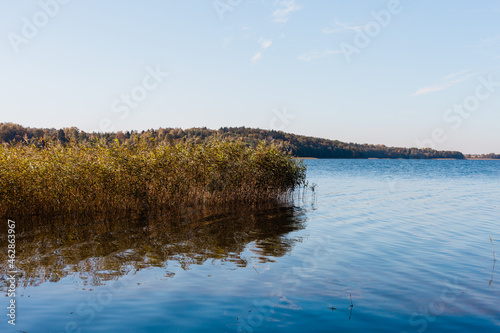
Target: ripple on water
[{"x": 406, "y": 241}]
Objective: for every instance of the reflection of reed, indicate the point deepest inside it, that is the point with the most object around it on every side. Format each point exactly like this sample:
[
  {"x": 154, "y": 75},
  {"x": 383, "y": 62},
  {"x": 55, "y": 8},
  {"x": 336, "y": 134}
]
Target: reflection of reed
[
  {"x": 105, "y": 250},
  {"x": 492, "y": 270},
  {"x": 350, "y": 308},
  {"x": 494, "y": 261},
  {"x": 493, "y": 249}
]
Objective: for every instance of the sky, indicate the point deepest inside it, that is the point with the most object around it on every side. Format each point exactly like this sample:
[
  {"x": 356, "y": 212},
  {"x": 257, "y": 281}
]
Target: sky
[{"x": 419, "y": 73}]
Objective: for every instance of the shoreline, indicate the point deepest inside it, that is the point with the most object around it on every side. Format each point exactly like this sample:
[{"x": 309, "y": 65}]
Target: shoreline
[{"x": 482, "y": 159}]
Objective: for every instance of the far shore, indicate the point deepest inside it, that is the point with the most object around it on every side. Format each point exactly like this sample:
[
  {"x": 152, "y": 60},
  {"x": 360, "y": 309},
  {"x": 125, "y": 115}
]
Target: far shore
[{"x": 483, "y": 159}]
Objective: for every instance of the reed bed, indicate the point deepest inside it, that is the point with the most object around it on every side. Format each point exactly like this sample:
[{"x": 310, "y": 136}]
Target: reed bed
[{"x": 90, "y": 179}]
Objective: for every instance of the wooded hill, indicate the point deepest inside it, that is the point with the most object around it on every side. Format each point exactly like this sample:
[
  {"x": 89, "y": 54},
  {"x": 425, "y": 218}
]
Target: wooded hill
[{"x": 297, "y": 145}]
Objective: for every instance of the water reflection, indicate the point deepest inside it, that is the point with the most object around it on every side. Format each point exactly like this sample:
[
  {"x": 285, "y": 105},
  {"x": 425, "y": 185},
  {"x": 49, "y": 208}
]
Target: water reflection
[
  {"x": 104, "y": 250},
  {"x": 490, "y": 283}
]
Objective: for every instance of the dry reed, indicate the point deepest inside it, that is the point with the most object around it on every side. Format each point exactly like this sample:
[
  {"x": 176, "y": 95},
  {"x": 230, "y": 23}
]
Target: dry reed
[{"x": 89, "y": 179}]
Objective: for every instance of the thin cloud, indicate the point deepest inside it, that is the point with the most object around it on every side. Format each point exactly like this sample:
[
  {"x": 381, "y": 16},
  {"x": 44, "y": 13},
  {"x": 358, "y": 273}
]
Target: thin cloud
[
  {"x": 430, "y": 89},
  {"x": 338, "y": 26},
  {"x": 282, "y": 15},
  {"x": 316, "y": 54},
  {"x": 453, "y": 75},
  {"x": 256, "y": 57},
  {"x": 489, "y": 46},
  {"x": 446, "y": 82},
  {"x": 265, "y": 43}
]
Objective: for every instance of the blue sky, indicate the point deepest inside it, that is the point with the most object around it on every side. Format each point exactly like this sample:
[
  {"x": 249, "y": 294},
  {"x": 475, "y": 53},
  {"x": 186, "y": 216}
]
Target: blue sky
[{"x": 399, "y": 73}]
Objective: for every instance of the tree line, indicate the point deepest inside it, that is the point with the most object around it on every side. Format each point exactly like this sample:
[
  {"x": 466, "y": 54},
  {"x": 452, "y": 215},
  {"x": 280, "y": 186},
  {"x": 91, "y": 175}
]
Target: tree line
[
  {"x": 490, "y": 156},
  {"x": 297, "y": 145}
]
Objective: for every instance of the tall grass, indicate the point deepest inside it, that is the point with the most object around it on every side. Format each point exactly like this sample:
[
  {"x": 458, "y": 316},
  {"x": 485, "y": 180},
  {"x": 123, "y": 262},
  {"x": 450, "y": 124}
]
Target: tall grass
[{"x": 86, "y": 179}]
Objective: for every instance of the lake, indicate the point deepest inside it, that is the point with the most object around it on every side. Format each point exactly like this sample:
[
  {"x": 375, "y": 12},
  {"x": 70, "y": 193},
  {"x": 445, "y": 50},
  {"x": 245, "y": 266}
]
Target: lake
[{"x": 378, "y": 246}]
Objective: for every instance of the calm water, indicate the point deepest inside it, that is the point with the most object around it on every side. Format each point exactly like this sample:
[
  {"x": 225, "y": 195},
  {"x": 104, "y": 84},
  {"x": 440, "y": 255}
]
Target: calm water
[{"x": 382, "y": 246}]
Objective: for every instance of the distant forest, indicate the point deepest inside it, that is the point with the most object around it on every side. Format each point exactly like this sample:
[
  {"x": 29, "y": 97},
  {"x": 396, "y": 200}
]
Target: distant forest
[
  {"x": 483, "y": 156},
  {"x": 297, "y": 145}
]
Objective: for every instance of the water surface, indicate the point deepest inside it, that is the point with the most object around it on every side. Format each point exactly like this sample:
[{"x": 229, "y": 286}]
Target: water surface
[{"x": 381, "y": 246}]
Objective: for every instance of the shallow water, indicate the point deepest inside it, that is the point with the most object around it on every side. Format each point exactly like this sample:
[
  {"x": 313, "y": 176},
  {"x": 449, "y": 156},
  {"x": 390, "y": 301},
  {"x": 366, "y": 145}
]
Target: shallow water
[{"x": 381, "y": 246}]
